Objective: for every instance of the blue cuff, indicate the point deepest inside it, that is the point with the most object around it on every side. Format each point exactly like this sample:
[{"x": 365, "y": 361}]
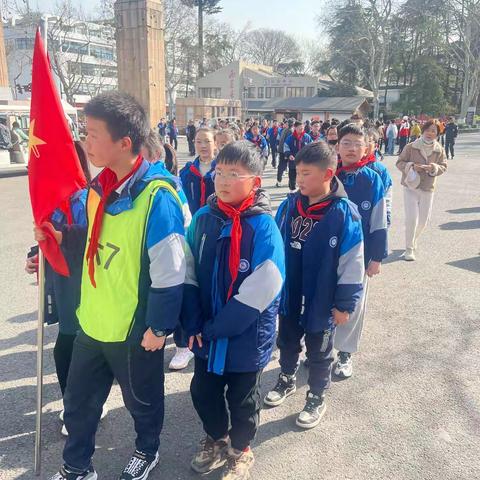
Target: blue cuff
[
  {"x": 233, "y": 319},
  {"x": 163, "y": 308}
]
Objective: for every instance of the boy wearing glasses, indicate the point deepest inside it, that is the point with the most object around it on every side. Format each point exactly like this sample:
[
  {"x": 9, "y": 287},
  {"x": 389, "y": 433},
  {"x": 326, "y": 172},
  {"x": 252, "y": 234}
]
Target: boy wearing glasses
[
  {"x": 364, "y": 188},
  {"x": 235, "y": 263}
]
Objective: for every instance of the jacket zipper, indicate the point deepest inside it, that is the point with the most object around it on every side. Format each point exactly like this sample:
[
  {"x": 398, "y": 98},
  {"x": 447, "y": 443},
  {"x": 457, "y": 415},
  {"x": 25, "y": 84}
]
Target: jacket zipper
[{"x": 202, "y": 244}]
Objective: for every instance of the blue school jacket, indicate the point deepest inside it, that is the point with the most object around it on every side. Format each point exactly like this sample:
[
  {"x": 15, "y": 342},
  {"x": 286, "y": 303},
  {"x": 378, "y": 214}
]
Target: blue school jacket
[
  {"x": 324, "y": 260},
  {"x": 191, "y": 184},
  {"x": 239, "y": 333},
  {"x": 261, "y": 143},
  {"x": 291, "y": 146},
  {"x": 364, "y": 187}
]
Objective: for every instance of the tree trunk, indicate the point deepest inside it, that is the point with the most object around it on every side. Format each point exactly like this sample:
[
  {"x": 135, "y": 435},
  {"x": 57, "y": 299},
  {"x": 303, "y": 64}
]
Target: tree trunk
[{"x": 201, "y": 72}]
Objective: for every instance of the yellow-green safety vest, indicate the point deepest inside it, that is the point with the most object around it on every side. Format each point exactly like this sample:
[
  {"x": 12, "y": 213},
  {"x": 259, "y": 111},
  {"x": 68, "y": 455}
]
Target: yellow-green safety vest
[{"x": 107, "y": 312}]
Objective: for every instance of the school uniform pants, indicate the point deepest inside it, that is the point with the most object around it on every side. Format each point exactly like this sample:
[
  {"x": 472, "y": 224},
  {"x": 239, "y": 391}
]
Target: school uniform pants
[
  {"x": 273, "y": 149},
  {"x": 292, "y": 175},
  {"x": 390, "y": 145},
  {"x": 449, "y": 150},
  {"x": 319, "y": 351},
  {"x": 174, "y": 142},
  {"x": 282, "y": 166},
  {"x": 62, "y": 355},
  {"x": 418, "y": 210},
  {"x": 347, "y": 336},
  {"x": 191, "y": 146},
  {"x": 239, "y": 404},
  {"x": 180, "y": 337},
  {"x": 93, "y": 368}
]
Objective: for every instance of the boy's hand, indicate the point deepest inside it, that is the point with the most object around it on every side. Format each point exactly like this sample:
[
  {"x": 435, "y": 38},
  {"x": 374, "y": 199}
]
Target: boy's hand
[
  {"x": 193, "y": 338},
  {"x": 418, "y": 168},
  {"x": 374, "y": 268},
  {"x": 151, "y": 342},
  {"x": 40, "y": 235},
  {"x": 340, "y": 318},
  {"x": 31, "y": 265},
  {"x": 291, "y": 157}
]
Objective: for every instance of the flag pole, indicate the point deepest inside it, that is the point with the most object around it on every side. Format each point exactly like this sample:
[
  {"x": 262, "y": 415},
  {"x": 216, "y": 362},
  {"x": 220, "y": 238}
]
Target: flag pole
[
  {"x": 40, "y": 323},
  {"x": 40, "y": 320}
]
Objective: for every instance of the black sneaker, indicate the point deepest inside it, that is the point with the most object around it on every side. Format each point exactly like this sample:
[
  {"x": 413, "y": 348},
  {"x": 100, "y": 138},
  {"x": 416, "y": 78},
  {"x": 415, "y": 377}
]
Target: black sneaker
[
  {"x": 313, "y": 411},
  {"x": 65, "y": 474},
  {"x": 284, "y": 388},
  {"x": 139, "y": 466}
]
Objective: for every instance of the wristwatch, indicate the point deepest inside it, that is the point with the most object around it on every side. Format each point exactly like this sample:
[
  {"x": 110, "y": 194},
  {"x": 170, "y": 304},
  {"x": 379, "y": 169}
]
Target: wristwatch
[{"x": 159, "y": 333}]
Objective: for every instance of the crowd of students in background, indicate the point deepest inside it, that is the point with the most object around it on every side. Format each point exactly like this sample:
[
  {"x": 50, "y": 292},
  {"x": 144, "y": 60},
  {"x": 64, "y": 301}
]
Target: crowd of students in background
[{"x": 206, "y": 260}]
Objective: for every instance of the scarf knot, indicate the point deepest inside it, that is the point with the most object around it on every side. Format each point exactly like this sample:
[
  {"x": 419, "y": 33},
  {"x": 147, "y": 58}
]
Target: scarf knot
[
  {"x": 315, "y": 212},
  {"x": 236, "y": 235},
  {"x": 109, "y": 183},
  {"x": 203, "y": 187}
]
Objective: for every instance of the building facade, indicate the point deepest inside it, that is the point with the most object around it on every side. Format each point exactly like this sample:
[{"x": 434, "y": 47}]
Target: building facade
[
  {"x": 244, "y": 81},
  {"x": 82, "y": 54}
]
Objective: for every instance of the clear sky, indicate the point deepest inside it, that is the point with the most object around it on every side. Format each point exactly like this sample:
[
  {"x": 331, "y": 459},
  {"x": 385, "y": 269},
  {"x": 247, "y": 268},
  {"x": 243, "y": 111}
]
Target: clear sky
[{"x": 293, "y": 16}]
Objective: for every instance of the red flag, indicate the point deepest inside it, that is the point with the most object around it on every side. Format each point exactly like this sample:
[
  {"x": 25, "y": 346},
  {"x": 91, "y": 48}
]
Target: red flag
[{"x": 54, "y": 171}]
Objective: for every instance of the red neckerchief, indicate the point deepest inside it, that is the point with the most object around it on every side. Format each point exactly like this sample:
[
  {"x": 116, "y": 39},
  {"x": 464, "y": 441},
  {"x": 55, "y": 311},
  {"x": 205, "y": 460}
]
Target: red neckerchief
[
  {"x": 236, "y": 235},
  {"x": 203, "y": 187},
  {"x": 315, "y": 212},
  {"x": 299, "y": 138},
  {"x": 314, "y": 138},
  {"x": 257, "y": 142},
  {"x": 275, "y": 131},
  {"x": 364, "y": 161},
  {"x": 109, "y": 183}
]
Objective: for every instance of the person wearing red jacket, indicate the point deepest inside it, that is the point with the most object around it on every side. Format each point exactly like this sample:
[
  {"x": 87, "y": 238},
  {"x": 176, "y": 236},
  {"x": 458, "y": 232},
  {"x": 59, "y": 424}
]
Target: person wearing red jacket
[{"x": 403, "y": 134}]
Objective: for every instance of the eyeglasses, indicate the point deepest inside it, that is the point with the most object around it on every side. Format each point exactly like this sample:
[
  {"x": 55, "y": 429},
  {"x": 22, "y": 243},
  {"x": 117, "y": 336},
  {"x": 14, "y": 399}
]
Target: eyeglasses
[
  {"x": 348, "y": 144},
  {"x": 231, "y": 176}
]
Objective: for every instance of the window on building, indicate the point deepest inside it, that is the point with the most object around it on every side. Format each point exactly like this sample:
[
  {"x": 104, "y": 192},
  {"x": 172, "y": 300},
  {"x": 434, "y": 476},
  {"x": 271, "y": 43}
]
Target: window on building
[
  {"x": 105, "y": 53},
  {"x": 210, "y": 92},
  {"x": 310, "y": 91},
  {"x": 24, "y": 43},
  {"x": 251, "y": 92},
  {"x": 75, "y": 47},
  {"x": 277, "y": 92},
  {"x": 295, "y": 91},
  {"x": 260, "y": 92}
]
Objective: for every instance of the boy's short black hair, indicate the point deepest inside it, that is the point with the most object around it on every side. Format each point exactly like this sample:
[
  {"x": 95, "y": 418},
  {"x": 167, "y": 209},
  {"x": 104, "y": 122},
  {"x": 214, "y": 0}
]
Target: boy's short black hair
[
  {"x": 352, "y": 129},
  {"x": 319, "y": 154},
  {"x": 124, "y": 116},
  {"x": 242, "y": 153},
  {"x": 315, "y": 122},
  {"x": 297, "y": 124}
]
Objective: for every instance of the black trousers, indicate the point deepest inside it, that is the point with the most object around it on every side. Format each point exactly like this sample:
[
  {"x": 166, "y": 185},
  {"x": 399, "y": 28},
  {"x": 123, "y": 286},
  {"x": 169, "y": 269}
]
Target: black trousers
[
  {"x": 174, "y": 142},
  {"x": 191, "y": 146},
  {"x": 94, "y": 367},
  {"x": 402, "y": 142},
  {"x": 213, "y": 405},
  {"x": 180, "y": 337},
  {"x": 319, "y": 350},
  {"x": 273, "y": 149},
  {"x": 292, "y": 175},
  {"x": 62, "y": 354},
  {"x": 449, "y": 150},
  {"x": 282, "y": 166}
]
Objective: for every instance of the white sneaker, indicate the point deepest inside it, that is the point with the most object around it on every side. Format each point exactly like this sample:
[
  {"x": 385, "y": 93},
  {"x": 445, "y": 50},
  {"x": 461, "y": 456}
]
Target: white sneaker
[
  {"x": 181, "y": 359},
  {"x": 344, "y": 366},
  {"x": 63, "y": 431},
  {"x": 61, "y": 414},
  {"x": 409, "y": 255}
]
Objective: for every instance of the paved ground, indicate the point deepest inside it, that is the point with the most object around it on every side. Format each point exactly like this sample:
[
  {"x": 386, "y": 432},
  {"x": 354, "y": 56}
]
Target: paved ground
[{"x": 412, "y": 410}]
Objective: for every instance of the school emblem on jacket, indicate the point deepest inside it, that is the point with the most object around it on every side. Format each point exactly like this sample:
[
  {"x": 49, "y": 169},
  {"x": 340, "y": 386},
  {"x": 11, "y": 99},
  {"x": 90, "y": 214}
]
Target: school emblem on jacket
[
  {"x": 296, "y": 245},
  {"x": 244, "y": 265},
  {"x": 366, "y": 205},
  {"x": 333, "y": 242}
]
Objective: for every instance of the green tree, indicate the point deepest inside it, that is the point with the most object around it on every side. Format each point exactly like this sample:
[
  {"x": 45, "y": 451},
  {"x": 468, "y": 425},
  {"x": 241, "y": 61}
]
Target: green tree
[
  {"x": 426, "y": 94},
  {"x": 204, "y": 7}
]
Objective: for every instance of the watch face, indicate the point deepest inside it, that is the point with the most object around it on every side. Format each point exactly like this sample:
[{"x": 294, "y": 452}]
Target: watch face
[{"x": 159, "y": 333}]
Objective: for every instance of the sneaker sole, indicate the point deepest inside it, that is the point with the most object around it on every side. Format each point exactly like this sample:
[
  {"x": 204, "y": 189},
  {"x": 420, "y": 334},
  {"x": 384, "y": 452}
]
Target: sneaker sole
[
  {"x": 209, "y": 468},
  {"x": 311, "y": 425},
  {"x": 342, "y": 375},
  {"x": 278, "y": 402},
  {"x": 178, "y": 367}
]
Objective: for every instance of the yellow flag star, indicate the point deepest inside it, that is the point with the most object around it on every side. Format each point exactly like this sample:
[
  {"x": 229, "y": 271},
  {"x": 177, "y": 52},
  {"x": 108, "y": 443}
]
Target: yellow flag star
[{"x": 34, "y": 141}]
